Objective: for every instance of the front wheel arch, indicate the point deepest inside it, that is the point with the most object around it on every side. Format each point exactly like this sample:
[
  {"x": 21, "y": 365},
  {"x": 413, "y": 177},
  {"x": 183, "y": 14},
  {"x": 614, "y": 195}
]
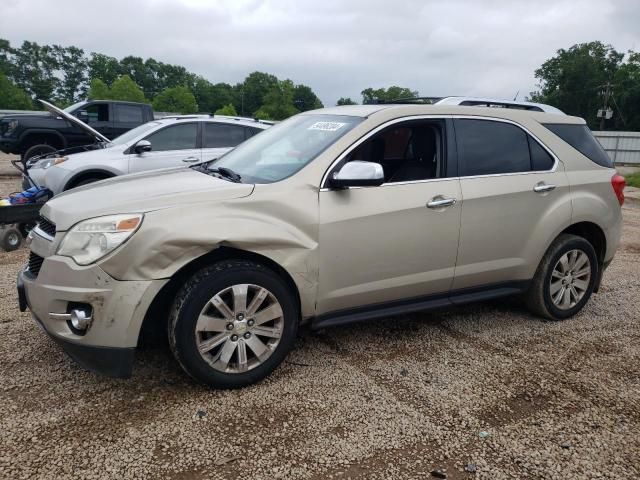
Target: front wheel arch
[
  {"x": 90, "y": 174},
  {"x": 154, "y": 325}
]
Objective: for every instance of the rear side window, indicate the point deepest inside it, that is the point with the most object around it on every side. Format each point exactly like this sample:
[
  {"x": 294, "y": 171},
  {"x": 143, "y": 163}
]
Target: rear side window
[
  {"x": 218, "y": 135},
  {"x": 486, "y": 147},
  {"x": 581, "y": 138},
  {"x": 541, "y": 160},
  {"x": 128, "y": 113}
]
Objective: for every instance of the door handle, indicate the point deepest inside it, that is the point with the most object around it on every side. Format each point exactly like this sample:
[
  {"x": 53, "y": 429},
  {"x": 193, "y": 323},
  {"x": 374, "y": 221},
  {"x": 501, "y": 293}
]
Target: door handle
[
  {"x": 190, "y": 159},
  {"x": 543, "y": 187},
  {"x": 441, "y": 202}
]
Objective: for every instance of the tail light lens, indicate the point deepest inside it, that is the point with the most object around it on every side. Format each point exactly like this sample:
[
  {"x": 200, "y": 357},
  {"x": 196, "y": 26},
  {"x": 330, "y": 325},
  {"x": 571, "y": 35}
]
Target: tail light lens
[{"x": 618, "y": 183}]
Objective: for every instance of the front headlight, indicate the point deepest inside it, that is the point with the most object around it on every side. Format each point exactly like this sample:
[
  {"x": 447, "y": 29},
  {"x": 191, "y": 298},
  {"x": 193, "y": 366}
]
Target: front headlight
[
  {"x": 90, "y": 240},
  {"x": 49, "y": 162},
  {"x": 13, "y": 124}
]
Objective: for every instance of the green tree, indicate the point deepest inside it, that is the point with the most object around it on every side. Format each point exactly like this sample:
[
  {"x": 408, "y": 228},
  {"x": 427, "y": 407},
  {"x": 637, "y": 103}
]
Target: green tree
[
  {"x": 371, "y": 95},
  {"x": 34, "y": 70},
  {"x": 73, "y": 65},
  {"x": 250, "y": 94},
  {"x": 13, "y": 97},
  {"x": 304, "y": 99},
  {"x": 127, "y": 90},
  {"x": 626, "y": 94},
  {"x": 176, "y": 99},
  {"x": 6, "y": 55},
  {"x": 574, "y": 79},
  {"x": 211, "y": 97},
  {"x": 345, "y": 101},
  {"x": 104, "y": 67},
  {"x": 278, "y": 102},
  {"x": 227, "y": 110},
  {"x": 98, "y": 90}
]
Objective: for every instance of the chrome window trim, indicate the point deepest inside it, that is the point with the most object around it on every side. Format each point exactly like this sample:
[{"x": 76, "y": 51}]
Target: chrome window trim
[{"x": 382, "y": 126}]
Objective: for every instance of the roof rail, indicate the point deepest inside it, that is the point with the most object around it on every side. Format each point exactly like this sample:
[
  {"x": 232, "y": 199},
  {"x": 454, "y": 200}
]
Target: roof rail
[
  {"x": 475, "y": 102},
  {"x": 497, "y": 103},
  {"x": 239, "y": 119}
]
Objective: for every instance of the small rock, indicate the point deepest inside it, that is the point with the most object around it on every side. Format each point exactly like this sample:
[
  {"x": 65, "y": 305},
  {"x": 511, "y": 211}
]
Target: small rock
[
  {"x": 404, "y": 372},
  {"x": 483, "y": 434},
  {"x": 471, "y": 468},
  {"x": 201, "y": 413},
  {"x": 437, "y": 473},
  {"x": 565, "y": 445}
]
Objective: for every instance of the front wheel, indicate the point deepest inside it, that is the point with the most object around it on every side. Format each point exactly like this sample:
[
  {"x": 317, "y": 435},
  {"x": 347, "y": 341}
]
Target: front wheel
[
  {"x": 232, "y": 324},
  {"x": 565, "y": 278}
]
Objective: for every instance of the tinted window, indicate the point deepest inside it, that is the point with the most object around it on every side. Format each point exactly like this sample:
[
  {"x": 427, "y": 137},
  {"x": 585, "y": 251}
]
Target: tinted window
[
  {"x": 487, "y": 147},
  {"x": 176, "y": 137},
  {"x": 128, "y": 113},
  {"x": 218, "y": 135},
  {"x": 252, "y": 131},
  {"x": 98, "y": 112},
  {"x": 581, "y": 138},
  {"x": 540, "y": 158}
]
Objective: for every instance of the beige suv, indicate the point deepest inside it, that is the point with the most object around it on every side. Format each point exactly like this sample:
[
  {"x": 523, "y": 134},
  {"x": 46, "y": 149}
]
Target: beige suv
[{"x": 337, "y": 215}]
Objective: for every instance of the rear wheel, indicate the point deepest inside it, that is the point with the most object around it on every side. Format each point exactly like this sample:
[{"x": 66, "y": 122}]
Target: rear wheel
[
  {"x": 565, "y": 278},
  {"x": 38, "y": 150},
  {"x": 232, "y": 324}
]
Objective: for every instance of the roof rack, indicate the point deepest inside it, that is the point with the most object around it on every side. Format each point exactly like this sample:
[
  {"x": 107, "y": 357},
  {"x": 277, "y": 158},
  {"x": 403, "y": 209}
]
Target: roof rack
[
  {"x": 408, "y": 100},
  {"x": 476, "y": 102},
  {"x": 245, "y": 119}
]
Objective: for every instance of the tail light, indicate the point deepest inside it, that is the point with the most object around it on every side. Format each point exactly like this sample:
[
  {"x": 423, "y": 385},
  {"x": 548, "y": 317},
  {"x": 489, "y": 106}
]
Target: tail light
[{"x": 618, "y": 183}]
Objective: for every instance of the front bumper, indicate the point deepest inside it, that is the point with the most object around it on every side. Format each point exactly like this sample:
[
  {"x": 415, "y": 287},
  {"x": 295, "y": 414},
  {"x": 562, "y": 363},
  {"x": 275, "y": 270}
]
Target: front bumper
[{"x": 118, "y": 309}]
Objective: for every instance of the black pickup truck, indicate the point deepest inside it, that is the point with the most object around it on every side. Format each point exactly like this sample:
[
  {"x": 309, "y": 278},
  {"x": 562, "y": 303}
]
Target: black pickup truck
[{"x": 30, "y": 135}]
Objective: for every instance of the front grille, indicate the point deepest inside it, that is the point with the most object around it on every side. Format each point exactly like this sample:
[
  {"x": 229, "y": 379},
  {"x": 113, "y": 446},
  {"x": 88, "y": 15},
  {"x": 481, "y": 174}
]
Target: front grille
[
  {"x": 34, "y": 264},
  {"x": 46, "y": 226}
]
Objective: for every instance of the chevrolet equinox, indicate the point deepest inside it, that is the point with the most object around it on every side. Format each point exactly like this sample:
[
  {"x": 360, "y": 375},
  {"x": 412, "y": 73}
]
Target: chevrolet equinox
[{"x": 333, "y": 216}]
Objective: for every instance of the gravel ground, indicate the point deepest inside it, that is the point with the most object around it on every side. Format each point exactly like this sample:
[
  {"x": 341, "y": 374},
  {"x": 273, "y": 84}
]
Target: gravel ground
[{"x": 487, "y": 387}]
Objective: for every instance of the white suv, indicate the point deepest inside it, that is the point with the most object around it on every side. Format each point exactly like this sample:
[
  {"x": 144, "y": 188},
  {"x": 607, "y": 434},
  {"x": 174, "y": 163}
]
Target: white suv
[{"x": 168, "y": 142}]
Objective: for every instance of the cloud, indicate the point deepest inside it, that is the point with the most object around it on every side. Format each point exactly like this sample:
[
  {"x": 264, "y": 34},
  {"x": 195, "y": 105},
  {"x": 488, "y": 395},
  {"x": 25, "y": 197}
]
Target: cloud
[{"x": 465, "y": 47}]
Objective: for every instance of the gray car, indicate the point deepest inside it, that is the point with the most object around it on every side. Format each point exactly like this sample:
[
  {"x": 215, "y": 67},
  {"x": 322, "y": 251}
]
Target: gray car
[{"x": 337, "y": 215}]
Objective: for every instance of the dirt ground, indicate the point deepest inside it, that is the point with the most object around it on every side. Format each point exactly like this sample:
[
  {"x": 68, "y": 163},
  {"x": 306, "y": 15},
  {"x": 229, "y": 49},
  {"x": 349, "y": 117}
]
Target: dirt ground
[{"x": 486, "y": 391}]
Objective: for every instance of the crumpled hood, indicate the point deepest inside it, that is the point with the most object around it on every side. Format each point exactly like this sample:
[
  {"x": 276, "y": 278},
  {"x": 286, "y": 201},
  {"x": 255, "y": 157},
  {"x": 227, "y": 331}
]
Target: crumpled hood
[{"x": 140, "y": 193}]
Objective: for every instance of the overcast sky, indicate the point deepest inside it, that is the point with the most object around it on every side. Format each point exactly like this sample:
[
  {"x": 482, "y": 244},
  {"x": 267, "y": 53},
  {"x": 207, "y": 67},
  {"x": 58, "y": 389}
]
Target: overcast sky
[{"x": 338, "y": 47}]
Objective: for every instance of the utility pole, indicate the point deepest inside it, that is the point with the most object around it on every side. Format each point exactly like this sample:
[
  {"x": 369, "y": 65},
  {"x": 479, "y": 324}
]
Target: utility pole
[{"x": 605, "y": 112}]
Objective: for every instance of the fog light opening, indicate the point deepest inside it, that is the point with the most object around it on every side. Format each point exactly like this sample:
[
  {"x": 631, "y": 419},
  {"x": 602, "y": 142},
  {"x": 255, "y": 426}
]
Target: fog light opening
[{"x": 80, "y": 318}]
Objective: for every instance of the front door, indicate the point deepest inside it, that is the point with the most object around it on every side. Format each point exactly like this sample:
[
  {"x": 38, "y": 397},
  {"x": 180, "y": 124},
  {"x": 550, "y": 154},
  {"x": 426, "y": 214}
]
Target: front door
[
  {"x": 396, "y": 241},
  {"x": 172, "y": 146}
]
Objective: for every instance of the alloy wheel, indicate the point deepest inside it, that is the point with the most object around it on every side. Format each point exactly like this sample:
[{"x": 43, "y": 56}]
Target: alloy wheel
[
  {"x": 570, "y": 279},
  {"x": 239, "y": 328}
]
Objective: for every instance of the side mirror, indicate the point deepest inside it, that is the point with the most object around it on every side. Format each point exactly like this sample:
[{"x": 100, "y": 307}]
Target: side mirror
[
  {"x": 358, "y": 174},
  {"x": 142, "y": 146}
]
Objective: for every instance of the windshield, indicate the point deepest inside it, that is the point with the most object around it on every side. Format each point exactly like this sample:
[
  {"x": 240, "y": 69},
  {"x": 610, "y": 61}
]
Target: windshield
[
  {"x": 282, "y": 150},
  {"x": 134, "y": 133},
  {"x": 75, "y": 106}
]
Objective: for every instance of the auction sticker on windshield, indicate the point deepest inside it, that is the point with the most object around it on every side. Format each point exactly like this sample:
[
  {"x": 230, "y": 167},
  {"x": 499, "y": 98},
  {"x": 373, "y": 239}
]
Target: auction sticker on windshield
[{"x": 327, "y": 126}]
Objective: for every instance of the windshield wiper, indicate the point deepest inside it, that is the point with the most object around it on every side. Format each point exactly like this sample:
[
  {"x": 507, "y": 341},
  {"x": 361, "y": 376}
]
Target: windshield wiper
[{"x": 226, "y": 173}]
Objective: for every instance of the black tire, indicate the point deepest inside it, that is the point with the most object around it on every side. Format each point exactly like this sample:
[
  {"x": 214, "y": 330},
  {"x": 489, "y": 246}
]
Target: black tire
[
  {"x": 539, "y": 298},
  {"x": 10, "y": 239},
  {"x": 37, "y": 150},
  {"x": 194, "y": 296}
]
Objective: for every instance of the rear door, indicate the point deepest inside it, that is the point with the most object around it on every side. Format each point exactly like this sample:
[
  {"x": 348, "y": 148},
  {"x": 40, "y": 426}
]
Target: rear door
[
  {"x": 515, "y": 199},
  {"x": 171, "y": 146},
  {"x": 219, "y": 138}
]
